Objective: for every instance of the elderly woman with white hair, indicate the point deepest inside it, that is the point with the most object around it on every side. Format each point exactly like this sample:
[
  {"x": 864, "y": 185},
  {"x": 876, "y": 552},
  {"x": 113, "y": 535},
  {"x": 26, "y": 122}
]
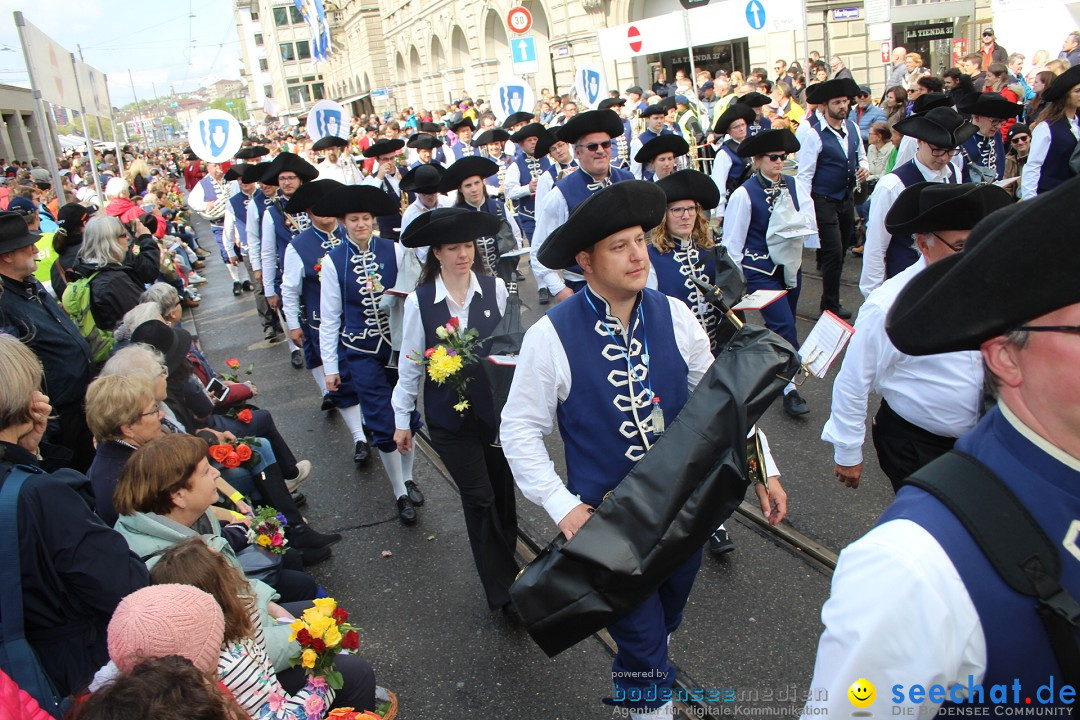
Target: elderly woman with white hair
[
  {"x": 118, "y": 270},
  {"x": 118, "y": 201}
]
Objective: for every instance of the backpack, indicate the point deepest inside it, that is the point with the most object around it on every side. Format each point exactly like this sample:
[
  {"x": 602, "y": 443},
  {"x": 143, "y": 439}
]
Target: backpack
[{"x": 76, "y": 302}]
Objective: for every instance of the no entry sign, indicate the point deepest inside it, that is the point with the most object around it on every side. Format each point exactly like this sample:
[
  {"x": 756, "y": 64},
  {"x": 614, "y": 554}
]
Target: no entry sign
[{"x": 633, "y": 35}]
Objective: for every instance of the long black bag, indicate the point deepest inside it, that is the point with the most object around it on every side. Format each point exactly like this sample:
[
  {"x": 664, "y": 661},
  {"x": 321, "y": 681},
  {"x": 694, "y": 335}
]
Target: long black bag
[
  {"x": 506, "y": 339},
  {"x": 663, "y": 511}
]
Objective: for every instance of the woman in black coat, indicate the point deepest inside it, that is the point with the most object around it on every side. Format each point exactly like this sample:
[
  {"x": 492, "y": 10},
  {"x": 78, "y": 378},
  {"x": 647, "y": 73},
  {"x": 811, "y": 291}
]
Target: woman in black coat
[
  {"x": 67, "y": 242},
  {"x": 123, "y": 267}
]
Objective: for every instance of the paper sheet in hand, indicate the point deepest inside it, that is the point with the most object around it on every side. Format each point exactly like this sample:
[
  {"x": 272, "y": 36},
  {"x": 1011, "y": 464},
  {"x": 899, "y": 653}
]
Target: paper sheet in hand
[
  {"x": 825, "y": 343},
  {"x": 1006, "y": 182},
  {"x": 515, "y": 253},
  {"x": 759, "y": 299},
  {"x": 511, "y": 360}
]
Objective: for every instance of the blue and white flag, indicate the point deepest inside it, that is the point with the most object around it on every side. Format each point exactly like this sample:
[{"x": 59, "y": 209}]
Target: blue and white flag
[{"x": 315, "y": 17}]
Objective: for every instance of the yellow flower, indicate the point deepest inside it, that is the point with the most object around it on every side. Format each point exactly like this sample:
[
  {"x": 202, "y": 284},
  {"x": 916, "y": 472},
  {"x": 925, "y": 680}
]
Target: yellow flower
[
  {"x": 307, "y": 658},
  {"x": 441, "y": 365},
  {"x": 320, "y": 625},
  {"x": 296, "y": 626},
  {"x": 332, "y": 636},
  {"x": 264, "y": 540},
  {"x": 325, "y": 606},
  {"x": 462, "y": 406}
]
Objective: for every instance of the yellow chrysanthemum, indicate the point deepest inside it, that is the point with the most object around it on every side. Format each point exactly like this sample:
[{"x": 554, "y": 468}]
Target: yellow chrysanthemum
[
  {"x": 307, "y": 658},
  {"x": 296, "y": 626},
  {"x": 441, "y": 365},
  {"x": 325, "y": 606},
  {"x": 264, "y": 540},
  {"x": 462, "y": 406}
]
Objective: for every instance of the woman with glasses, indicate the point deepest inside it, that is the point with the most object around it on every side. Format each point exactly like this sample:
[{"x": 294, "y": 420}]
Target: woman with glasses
[
  {"x": 1053, "y": 136},
  {"x": 1017, "y": 154},
  {"x": 768, "y": 222}
]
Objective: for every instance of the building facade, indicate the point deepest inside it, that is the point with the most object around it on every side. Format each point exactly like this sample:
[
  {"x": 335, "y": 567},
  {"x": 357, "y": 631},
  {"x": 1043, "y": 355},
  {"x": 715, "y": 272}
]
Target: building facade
[{"x": 21, "y": 135}]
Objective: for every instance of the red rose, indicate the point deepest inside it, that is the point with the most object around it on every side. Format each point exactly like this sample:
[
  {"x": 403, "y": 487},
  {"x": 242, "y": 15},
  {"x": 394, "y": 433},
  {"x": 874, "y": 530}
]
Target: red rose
[
  {"x": 351, "y": 641},
  {"x": 454, "y": 321},
  {"x": 232, "y": 460},
  {"x": 244, "y": 416},
  {"x": 341, "y": 615},
  {"x": 318, "y": 645},
  {"x": 233, "y": 363},
  {"x": 243, "y": 452},
  {"x": 303, "y": 637},
  {"x": 218, "y": 453}
]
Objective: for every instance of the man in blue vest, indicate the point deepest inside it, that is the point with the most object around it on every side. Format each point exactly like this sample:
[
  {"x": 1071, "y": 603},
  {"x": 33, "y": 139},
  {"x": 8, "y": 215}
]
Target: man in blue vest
[
  {"x": 729, "y": 169},
  {"x": 260, "y": 199},
  {"x": 939, "y": 132},
  {"x": 388, "y": 179},
  {"x": 658, "y": 156},
  {"x": 916, "y": 604},
  {"x": 654, "y": 117},
  {"x": 573, "y": 367},
  {"x": 831, "y": 162},
  {"x": 425, "y": 146},
  {"x": 591, "y": 135},
  {"x": 462, "y": 146},
  {"x": 234, "y": 232},
  {"x": 984, "y": 152},
  {"x": 493, "y": 142},
  {"x": 620, "y": 146},
  {"x": 523, "y": 174}
]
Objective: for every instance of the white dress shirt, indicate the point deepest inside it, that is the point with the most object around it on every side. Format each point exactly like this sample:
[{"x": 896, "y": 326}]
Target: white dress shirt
[
  {"x": 514, "y": 188},
  {"x": 212, "y": 210},
  {"x": 811, "y": 147},
  {"x": 940, "y": 393},
  {"x": 415, "y": 210},
  {"x": 549, "y": 215},
  {"x": 635, "y": 166},
  {"x": 330, "y": 310},
  {"x": 413, "y": 341},
  {"x": 344, "y": 171},
  {"x": 878, "y": 238},
  {"x": 737, "y": 220},
  {"x": 268, "y": 253},
  {"x": 720, "y": 168},
  {"x": 542, "y": 380},
  {"x": 230, "y": 235},
  {"x": 254, "y": 234},
  {"x": 292, "y": 278},
  {"x": 1040, "y": 146},
  {"x": 394, "y": 180}
]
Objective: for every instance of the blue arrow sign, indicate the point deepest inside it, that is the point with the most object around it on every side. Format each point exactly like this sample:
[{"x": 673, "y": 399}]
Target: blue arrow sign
[
  {"x": 755, "y": 14},
  {"x": 524, "y": 49}
]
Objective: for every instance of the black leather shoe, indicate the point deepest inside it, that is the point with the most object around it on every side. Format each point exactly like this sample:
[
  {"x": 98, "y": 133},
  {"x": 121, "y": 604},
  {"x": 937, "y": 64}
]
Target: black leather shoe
[
  {"x": 271, "y": 334},
  {"x": 327, "y": 404},
  {"x": 842, "y": 313},
  {"x": 305, "y": 536},
  {"x": 545, "y": 296},
  {"x": 510, "y": 612},
  {"x": 362, "y": 455},
  {"x": 236, "y": 289},
  {"x": 314, "y": 556},
  {"x": 794, "y": 405},
  {"x": 298, "y": 498},
  {"x": 247, "y": 286},
  {"x": 405, "y": 511},
  {"x": 518, "y": 277},
  {"x": 297, "y": 359},
  {"x": 720, "y": 542},
  {"x": 415, "y": 495}
]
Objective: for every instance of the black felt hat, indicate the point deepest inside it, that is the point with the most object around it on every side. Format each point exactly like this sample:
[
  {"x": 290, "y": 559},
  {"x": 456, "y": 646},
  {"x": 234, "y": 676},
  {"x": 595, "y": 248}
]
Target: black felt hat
[
  {"x": 429, "y": 127},
  {"x": 310, "y": 193},
  {"x": 690, "y": 185},
  {"x": 329, "y": 141},
  {"x": 448, "y": 226},
  {"x": 737, "y": 111},
  {"x": 942, "y": 127},
  {"x": 355, "y": 199},
  {"x": 252, "y": 152},
  {"x": 591, "y": 121},
  {"x": 465, "y": 168},
  {"x": 15, "y": 234},
  {"x": 667, "y": 103},
  {"x": 825, "y": 91},
  {"x": 453, "y": 125},
  {"x": 929, "y": 101},
  {"x": 769, "y": 141},
  {"x": 623, "y": 205},
  {"x": 608, "y": 103},
  {"x": 254, "y": 173},
  {"x": 930, "y": 207},
  {"x": 383, "y": 146},
  {"x": 1062, "y": 84},
  {"x": 173, "y": 343},
  {"x": 543, "y": 145},
  {"x": 491, "y": 135},
  {"x": 423, "y": 179},
  {"x": 754, "y": 100},
  {"x": 652, "y": 110},
  {"x": 531, "y": 130},
  {"x": 989, "y": 104},
  {"x": 234, "y": 173},
  {"x": 423, "y": 141},
  {"x": 661, "y": 144},
  {"x": 1018, "y": 129},
  {"x": 999, "y": 282},
  {"x": 289, "y": 162},
  {"x": 517, "y": 118}
]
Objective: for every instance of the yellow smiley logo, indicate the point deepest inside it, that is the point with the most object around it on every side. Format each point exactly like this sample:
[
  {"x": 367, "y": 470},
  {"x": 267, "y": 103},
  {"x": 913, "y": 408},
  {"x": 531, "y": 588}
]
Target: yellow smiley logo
[{"x": 862, "y": 693}]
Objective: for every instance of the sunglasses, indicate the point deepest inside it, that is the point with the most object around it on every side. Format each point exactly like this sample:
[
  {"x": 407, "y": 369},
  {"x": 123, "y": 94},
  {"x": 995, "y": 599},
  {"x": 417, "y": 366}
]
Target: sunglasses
[
  {"x": 1018, "y": 140},
  {"x": 776, "y": 157},
  {"x": 593, "y": 147}
]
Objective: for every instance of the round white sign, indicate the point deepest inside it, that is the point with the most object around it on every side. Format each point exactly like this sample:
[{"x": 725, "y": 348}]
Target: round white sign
[
  {"x": 511, "y": 95},
  {"x": 215, "y": 136},
  {"x": 328, "y": 118}
]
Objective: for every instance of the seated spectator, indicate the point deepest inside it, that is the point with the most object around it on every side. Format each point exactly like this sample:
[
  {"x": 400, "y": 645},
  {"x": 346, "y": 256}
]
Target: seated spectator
[
  {"x": 118, "y": 202},
  {"x": 117, "y": 283},
  {"x": 133, "y": 318},
  {"x": 74, "y": 569}
]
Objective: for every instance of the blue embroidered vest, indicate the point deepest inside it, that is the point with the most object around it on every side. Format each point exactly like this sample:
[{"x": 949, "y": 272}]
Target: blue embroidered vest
[
  {"x": 901, "y": 253},
  {"x": 674, "y": 271},
  {"x": 388, "y": 224},
  {"x": 603, "y": 419},
  {"x": 834, "y": 176},
  {"x": 363, "y": 276},
  {"x": 529, "y": 167},
  {"x": 993, "y": 158},
  {"x": 578, "y": 186},
  {"x": 495, "y": 182},
  {"x": 286, "y": 227},
  {"x": 261, "y": 201},
  {"x": 239, "y": 203},
  {"x": 756, "y": 250},
  {"x": 620, "y": 146},
  {"x": 439, "y": 400},
  {"x": 313, "y": 245},
  {"x": 462, "y": 150},
  {"x": 488, "y": 246},
  {"x": 1016, "y": 644},
  {"x": 1055, "y": 168},
  {"x": 740, "y": 168}
]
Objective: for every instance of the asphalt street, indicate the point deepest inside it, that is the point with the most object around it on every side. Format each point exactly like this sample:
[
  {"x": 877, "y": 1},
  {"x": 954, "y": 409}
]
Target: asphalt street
[{"x": 753, "y": 620}]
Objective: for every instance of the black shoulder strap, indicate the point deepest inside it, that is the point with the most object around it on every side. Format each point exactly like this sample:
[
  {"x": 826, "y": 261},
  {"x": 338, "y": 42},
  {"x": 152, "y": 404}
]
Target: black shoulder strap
[{"x": 1012, "y": 541}]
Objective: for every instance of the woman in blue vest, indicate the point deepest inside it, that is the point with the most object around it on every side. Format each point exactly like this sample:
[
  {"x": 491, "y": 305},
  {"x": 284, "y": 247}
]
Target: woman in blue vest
[
  {"x": 455, "y": 285},
  {"x": 1053, "y": 136},
  {"x": 387, "y": 177},
  {"x": 354, "y": 335},
  {"x": 768, "y": 221},
  {"x": 523, "y": 176},
  {"x": 729, "y": 171},
  {"x": 493, "y": 141},
  {"x": 984, "y": 152},
  {"x": 469, "y": 178}
]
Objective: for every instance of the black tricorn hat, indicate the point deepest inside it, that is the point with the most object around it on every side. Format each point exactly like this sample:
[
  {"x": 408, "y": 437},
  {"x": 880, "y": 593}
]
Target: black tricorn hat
[
  {"x": 608, "y": 103},
  {"x": 930, "y": 207},
  {"x": 453, "y": 125},
  {"x": 249, "y": 153},
  {"x": 254, "y": 173},
  {"x": 491, "y": 135},
  {"x": 667, "y": 103},
  {"x": 661, "y": 144},
  {"x": 989, "y": 104},
  {"x": 424, "y": 141},
  {"x": 173, "y": 343},
  {"x": 15, "y": 234},
  {"x": 310, "y": 193},
  {"x": 623, "y": 205},
  {"x": 737, "y": 111},
  {"x": 429, "y": 127},
  {"x": 942, "y": 127},
  {"x": 423, "y": 178},
  {"x": 448, "y": 226},
  {"x": 591, "y": 121},
  {"x": 234, "y": 173},
  {"x": 383, "y": 146},
  {"x": 289, "y": 162},
  {"x": 999, "y": 282},
  {"x": 769, "y": 141},
  {"x": 651, "y": 110},
  {"x": 531, "y": 130},
  {"x": 825, "y": 91},
  {"x": 355, "y": 199},
  {"x": 543, "y": 145},
  {"x": 329, "y": 141},
  {"x": 516, "y": 118},
  {"x": 465, "y": 168},
  {"x": 1062, "y": 84},
  {"x": 690, "y": 185},
  {"x": 929, "y": 101},
  {"x": 754, "y": 99}
]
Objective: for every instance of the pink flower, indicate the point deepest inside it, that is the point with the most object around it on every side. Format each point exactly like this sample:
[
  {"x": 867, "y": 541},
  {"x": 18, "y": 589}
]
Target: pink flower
[
  {"x": 277, "y": 540},
  {"x": 314, "y": 706},
  {"x": 318, "y": 682},
  {"x": 277, "y": 702}
]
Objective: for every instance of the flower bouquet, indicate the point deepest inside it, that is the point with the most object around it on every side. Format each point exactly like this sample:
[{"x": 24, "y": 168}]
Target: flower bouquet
[
  {"x": 323, "y": 632},
  {"x": 234, "y": 454},
  {"x": 267, "y": 530},
  {"x": 446, "y": 361}
]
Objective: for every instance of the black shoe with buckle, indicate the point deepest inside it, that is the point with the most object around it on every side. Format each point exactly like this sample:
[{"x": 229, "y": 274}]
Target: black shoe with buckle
[
  {"x": 794, "y": 405},
  {"x": 327, "y": 403},
  {"x": 362, "y": 455},
  {"x": 545, "y": 296},
  {"x": 405, "y": 511},
  {"x": 236, "y": 289},
  {"x": 720, "y": 542},
  {"x": 247, "y": 286},
  {"x": 297, "y": 359},
  {"x": 415, "y": 495}
]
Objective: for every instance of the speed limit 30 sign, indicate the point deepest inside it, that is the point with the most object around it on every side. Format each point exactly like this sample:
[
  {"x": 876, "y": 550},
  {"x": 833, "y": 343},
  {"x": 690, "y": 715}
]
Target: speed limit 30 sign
[{"x": 519, "y": 20}]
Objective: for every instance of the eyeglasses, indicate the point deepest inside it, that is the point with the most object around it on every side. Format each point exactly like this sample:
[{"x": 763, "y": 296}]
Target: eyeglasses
[
  {"x": 685, "y": 211},
  {"x": 988, "y": 34},
  {"x": 1020, "y": 139},
  {"x": 958, "y": 248},
  {"x": 943, "y": 152},
  {"x": 155, "y": 411},
  {"x": 776, "y": 157},
  {"x": 593, "y": 147},
  {"x": 1070, "y": 329}
]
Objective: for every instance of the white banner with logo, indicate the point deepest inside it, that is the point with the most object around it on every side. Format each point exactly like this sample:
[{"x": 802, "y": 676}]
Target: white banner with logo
[
  {"x": 511, "y": 95},
  {"x": 328, "y": 118},
  {"x": 215, "y": 136}
]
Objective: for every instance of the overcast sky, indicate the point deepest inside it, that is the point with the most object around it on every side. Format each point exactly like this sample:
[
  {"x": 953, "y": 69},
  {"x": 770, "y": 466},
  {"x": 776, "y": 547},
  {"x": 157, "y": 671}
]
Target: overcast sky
[{"x": 155, "y": 39}]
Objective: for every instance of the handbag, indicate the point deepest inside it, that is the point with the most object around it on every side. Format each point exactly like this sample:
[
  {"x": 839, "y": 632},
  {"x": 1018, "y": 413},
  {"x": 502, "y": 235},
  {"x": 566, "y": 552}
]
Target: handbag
[
  {"x": 729, "y": 277},
  {"x": 258, "y": 564}
]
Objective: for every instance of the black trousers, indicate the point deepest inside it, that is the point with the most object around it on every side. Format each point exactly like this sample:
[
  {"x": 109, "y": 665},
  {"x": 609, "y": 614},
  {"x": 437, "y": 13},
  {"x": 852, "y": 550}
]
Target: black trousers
[
  {"x": 293, "y": 583},
  {"x": 834, "y": 219},
  {"x": 67, "y": 428},
  {"x": 358, "y": 690},
  {"x": 487, "y": 499},
  {"x": 903, "y": 447},
  {"x": 267, "y": 316}
]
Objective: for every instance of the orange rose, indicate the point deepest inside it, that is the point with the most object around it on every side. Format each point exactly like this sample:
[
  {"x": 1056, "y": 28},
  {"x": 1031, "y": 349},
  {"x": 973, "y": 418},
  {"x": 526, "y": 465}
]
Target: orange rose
[
  {"x": 244, "y": 416},
  {"x": 232, "y": 460},
  {"x": 233, "y": 363},
  {"x": 218, "y": 453},
  {"x": 243, "y": 452}
]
